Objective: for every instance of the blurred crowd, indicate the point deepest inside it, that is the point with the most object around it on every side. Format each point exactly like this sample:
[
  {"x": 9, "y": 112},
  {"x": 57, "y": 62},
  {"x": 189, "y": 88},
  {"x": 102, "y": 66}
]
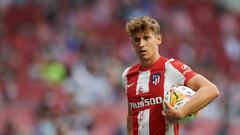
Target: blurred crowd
[{"x": 61, "y": 62}]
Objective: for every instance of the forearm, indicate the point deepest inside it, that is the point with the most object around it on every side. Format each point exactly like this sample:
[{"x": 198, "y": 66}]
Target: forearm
[
  {"x": 201, "y": 99},
  {"x": 129, "y": 125}
]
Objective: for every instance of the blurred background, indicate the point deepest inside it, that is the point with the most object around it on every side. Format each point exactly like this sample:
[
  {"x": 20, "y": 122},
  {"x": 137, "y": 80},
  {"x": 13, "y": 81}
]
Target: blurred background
[{"x": 61, "y": 62}]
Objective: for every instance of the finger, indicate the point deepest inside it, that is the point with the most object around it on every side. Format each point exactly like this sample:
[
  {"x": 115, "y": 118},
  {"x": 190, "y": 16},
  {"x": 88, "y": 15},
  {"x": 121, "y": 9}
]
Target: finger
[
  {"x": 173, "y": 121},
  {"x": 172, "y": 89},
  {"x": 164, "y": 114},
  {"x": 168, "y": 106}
]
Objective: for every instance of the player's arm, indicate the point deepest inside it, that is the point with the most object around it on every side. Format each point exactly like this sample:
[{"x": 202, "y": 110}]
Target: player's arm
[{"x": 206, "y": 92}]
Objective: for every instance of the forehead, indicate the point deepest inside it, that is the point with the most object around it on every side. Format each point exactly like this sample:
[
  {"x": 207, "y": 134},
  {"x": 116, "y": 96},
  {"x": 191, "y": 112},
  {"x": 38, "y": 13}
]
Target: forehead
[{"x": 143, "y": 33}]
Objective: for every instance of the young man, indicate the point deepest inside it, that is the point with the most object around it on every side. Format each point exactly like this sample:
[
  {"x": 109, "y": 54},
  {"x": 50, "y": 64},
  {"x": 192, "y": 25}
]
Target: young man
[{"x": 146, "y": 83}]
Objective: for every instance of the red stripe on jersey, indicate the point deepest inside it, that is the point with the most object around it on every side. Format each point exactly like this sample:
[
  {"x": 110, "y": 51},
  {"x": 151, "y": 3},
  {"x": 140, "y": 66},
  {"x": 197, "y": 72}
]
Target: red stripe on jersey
[
  {"x": 176, "y": 129},
  {"x": 157, "y": 122},
  {"x": 132, "y": 76},
  {"x": 135, "y": 124}
]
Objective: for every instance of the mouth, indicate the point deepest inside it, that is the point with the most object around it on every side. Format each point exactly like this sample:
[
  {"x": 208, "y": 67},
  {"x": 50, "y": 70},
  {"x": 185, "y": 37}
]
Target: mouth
[{"x": 142, "y": 51}]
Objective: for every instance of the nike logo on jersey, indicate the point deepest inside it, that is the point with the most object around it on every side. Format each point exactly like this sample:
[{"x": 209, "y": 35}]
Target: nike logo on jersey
[{"x": 130, "y": 85}]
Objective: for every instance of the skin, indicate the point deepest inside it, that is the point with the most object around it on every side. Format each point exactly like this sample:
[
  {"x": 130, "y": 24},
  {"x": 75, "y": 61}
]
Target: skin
[{"x": 146, "y": 46}]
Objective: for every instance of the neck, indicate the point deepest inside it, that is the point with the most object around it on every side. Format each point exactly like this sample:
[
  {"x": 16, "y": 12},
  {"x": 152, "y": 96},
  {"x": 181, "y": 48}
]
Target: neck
[{"x": 149, "y": 62}]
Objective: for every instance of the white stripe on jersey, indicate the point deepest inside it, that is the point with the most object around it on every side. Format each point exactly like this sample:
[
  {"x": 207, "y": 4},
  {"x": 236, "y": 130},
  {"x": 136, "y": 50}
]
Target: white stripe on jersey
[
  {"x": 143, "y": 82},
  {"x": 143, "y": 122},
  {"x": 172, "y": 78}
]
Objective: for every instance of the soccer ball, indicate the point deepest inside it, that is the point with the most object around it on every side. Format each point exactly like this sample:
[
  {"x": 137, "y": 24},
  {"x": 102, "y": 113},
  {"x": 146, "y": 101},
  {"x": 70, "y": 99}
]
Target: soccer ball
[{"x": 177, "y": 97}]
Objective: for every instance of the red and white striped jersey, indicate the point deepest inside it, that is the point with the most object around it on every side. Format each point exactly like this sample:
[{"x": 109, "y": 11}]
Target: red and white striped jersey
[{"x": 145, "y": 89}]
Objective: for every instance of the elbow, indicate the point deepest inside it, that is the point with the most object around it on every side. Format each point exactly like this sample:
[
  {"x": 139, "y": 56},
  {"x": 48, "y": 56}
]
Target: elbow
[{"x": 216, "y": 92}]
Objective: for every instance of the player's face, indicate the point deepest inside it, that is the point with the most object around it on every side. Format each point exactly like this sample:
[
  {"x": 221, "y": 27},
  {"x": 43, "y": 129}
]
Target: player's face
[{"x": 146, "y": 44}]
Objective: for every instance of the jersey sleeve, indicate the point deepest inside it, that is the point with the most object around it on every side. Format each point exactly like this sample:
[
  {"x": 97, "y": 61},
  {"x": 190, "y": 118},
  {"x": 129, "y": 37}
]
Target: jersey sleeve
[
  {"x": 124, "y": 79},
  {"x": 184, "y": 70}
]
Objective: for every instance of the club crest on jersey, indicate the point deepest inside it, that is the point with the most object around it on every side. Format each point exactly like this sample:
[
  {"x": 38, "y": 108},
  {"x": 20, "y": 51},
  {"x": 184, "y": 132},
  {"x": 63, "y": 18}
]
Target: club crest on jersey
[{"x": 155, "y": 78}]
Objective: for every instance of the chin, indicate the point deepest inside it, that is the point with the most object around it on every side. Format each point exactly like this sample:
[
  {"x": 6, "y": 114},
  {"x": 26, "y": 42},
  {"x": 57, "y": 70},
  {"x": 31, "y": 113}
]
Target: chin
[{"x": 144, "y": 58}]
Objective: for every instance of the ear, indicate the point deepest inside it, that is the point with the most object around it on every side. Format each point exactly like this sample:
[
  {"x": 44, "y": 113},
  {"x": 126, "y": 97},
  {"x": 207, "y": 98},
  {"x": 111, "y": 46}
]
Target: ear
[
  {"x": 159, "y": 39},
  {"x": 131, "y": 40}
]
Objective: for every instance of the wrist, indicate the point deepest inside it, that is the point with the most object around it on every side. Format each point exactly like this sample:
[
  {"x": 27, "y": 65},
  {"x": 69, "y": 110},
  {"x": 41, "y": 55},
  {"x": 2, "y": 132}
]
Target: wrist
[{"x": 181, "y": 113}]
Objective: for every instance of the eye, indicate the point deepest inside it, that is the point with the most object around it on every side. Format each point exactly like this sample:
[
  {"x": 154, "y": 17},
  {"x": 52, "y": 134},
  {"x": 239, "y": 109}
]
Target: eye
[
  {"x": 146, "y": 37},
  {"x": 136, "y": 40}
]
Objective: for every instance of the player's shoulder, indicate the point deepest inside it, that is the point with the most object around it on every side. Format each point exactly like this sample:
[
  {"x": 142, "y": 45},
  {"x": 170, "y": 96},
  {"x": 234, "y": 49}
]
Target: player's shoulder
[
  {"x": 128, "y": 71},
  {"x": 125, "y": 71},
  {"x": 174, "y": 62},
  {"x": 170, "y": 60},
  {"x": 131, "y": 69},
  {"x": 179, "y": 65}
]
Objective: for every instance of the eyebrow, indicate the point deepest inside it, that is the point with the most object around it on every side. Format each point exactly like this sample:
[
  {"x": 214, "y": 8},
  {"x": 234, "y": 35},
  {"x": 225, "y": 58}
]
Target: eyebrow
[{"x": 145, "y": 34}]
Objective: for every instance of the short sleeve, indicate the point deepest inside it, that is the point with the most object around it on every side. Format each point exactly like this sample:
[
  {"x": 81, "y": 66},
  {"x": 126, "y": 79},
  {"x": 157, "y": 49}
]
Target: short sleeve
[
  {"x": 124, "y": 78},
  {"x": 184, "y": 69}
]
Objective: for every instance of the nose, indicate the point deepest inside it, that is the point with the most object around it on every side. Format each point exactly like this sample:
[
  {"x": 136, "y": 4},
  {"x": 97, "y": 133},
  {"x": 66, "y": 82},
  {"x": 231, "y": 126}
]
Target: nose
[{"x": 142, "y": 43}]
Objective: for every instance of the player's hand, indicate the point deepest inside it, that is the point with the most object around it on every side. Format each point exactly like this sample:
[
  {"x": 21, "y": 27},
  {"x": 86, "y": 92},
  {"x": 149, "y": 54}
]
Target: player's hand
[{"x": 172, "y": 115}]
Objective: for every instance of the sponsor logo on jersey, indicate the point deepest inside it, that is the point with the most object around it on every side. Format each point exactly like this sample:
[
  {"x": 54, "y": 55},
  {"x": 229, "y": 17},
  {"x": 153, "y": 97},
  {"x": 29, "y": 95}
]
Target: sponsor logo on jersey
[
  {"x": 185, "y": 69},
  {"x": 145, "y": 102},
  {"x": 155, "y": 78}
]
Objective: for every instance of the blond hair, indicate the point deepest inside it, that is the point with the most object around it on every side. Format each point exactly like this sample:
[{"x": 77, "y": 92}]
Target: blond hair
[{"x": 142, "y": 23}]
